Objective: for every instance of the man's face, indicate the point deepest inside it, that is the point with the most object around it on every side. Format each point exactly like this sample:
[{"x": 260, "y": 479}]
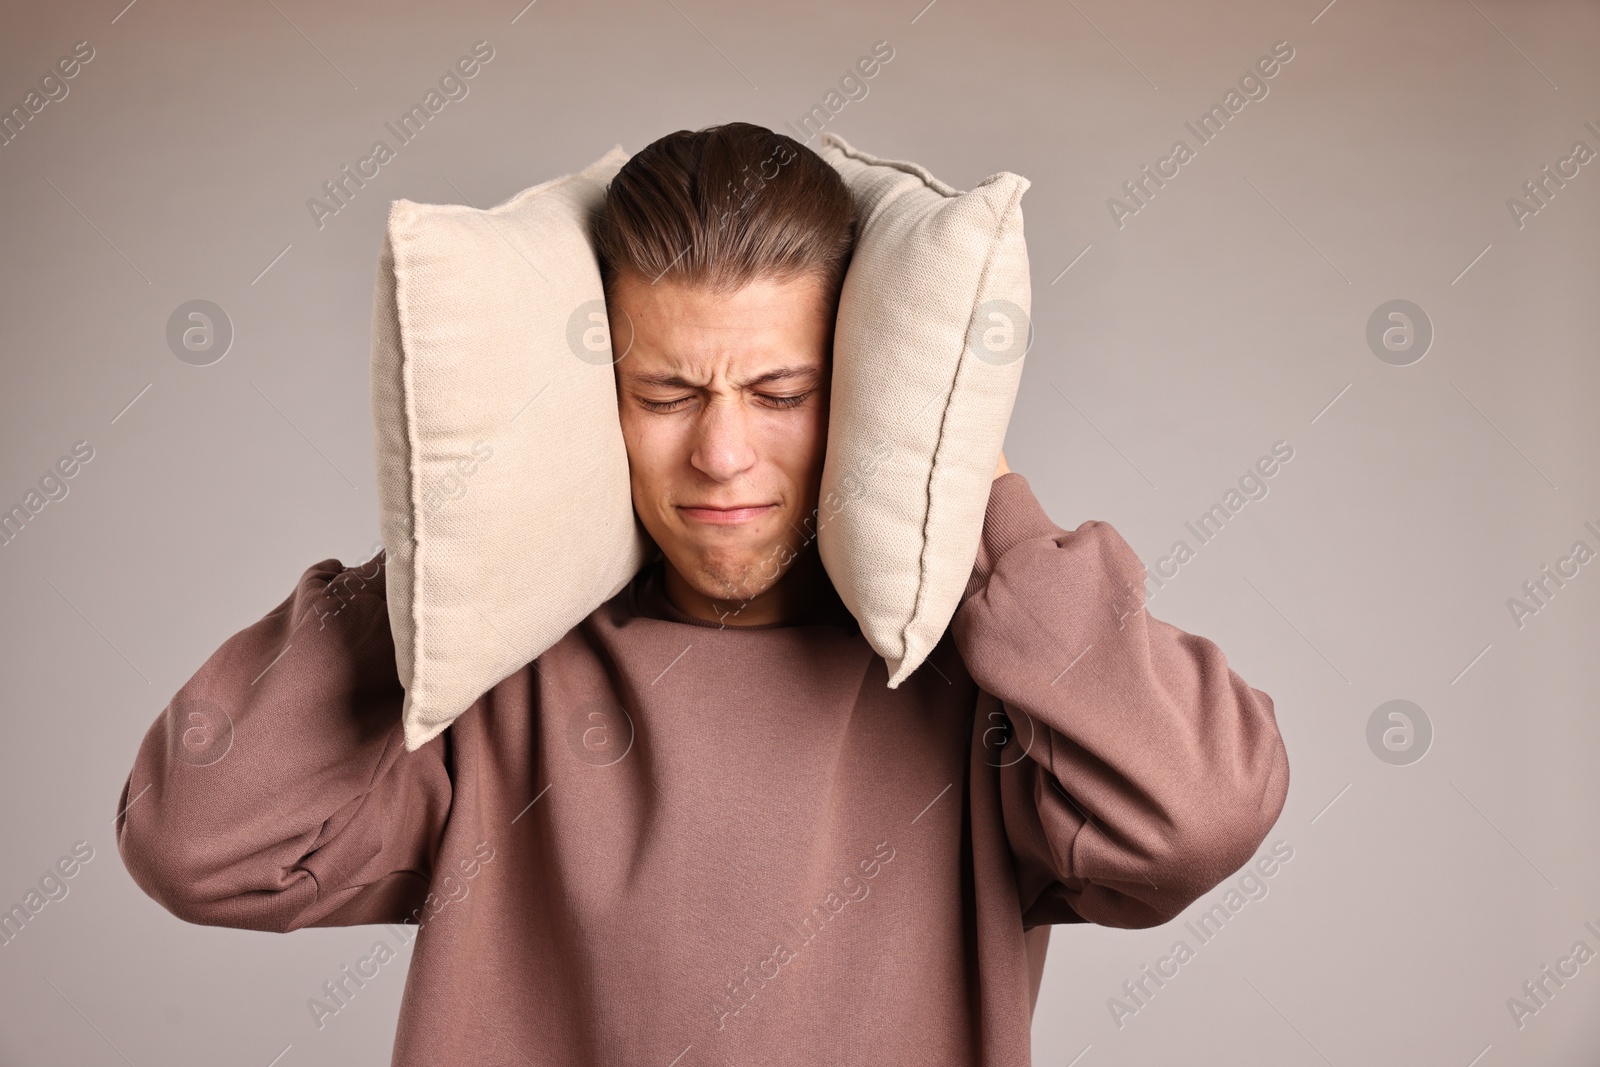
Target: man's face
[{"x": 724, "y": 407}]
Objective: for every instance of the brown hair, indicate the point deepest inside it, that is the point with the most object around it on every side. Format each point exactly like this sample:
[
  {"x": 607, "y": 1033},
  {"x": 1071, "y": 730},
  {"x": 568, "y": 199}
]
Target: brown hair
[{"x": 722, "y": 206}]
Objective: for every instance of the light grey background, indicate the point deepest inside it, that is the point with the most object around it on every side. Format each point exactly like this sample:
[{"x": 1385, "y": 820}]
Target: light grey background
[{"x": 1229, "y": 313}]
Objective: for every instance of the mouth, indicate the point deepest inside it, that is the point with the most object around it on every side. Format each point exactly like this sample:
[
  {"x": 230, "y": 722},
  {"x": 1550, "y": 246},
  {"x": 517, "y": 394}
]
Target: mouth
[{"x": 714, "y": 515}]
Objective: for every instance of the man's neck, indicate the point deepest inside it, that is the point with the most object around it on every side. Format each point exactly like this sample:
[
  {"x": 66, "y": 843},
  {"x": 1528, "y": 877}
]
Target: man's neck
[{"x": 796, "y": 595}]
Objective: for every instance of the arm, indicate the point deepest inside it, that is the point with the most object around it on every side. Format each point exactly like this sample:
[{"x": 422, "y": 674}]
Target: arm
[
  {"x": 1152, "y": 771},
  {"x": 274, "y": 792}
]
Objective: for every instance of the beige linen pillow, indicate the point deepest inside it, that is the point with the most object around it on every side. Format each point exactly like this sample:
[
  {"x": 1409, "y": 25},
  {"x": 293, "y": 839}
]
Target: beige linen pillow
[
  {"x": 927, "y": 355},
  {"x": 502, "y": 473}
]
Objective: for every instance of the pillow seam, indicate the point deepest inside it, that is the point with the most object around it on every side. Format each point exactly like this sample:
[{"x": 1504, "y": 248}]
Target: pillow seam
[
  {"x": 931, "y": 181},
  {"x": 413, "y": 465},
  {"x": 516, "y": 199},
  {"x": 916, "y": 170},
  {"x": 918, "y": 610}
]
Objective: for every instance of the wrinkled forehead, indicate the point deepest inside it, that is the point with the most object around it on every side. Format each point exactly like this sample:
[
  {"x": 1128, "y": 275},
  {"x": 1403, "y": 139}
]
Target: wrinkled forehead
[{"x": 693, "y": 334}]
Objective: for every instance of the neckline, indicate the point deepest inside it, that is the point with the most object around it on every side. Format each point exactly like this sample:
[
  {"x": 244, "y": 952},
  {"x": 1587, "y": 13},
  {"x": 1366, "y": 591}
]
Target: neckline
[{"x": 652, "y": 602}]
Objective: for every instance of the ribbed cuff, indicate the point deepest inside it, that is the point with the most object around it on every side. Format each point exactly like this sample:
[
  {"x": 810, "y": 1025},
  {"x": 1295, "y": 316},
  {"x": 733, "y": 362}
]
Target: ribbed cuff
[{"x": 1013, "y": 515}]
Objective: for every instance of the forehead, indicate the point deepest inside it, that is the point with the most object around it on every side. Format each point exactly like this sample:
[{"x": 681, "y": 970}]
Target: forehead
[{"x": 672, "y": 326}]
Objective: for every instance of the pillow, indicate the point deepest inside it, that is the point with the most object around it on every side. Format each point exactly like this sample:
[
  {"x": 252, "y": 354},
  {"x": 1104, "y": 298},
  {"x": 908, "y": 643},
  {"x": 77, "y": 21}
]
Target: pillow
[
  {"x": 933, "y": 323},
  {"x": 502, "y": 473}
]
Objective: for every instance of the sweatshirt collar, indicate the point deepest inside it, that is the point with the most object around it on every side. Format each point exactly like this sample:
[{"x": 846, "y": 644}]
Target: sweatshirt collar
[{"x": 652, "y": 602}]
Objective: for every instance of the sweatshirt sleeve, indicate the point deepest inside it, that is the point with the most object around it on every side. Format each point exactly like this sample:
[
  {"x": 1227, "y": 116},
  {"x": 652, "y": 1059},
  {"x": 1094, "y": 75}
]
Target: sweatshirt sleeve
[
  {"x": 274, "y": 791},
  {"x": 1140, "y": 770}
]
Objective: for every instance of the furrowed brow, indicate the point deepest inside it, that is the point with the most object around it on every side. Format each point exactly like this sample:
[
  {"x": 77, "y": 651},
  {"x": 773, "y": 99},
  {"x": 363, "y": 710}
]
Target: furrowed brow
[
  {"x": 783, "y": 374},
  {"x": 668, "y": 380},
  {"x": 665, "y": 381}
]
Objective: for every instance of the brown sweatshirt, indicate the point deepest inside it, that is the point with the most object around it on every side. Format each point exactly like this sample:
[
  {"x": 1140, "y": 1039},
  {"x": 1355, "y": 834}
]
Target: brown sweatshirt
[{"x": 666, "y": 843}]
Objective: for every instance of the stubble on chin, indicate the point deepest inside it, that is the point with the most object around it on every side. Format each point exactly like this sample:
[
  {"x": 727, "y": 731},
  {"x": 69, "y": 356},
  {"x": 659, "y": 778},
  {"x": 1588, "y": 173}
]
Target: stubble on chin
[{"x": 729, "y": 582}]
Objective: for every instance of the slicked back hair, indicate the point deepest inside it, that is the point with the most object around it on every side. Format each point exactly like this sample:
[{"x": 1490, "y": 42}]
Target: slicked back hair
[{"x": 720, "y": 207}]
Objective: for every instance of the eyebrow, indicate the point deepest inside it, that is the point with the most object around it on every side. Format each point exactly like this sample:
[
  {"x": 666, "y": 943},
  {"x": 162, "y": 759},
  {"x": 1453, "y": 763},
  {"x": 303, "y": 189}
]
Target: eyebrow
[{"x": 677, "y": 381}]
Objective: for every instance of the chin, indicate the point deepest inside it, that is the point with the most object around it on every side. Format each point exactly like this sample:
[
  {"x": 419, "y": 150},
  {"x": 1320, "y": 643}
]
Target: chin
[
  {"x": 745, "y": 581},
  {"x": 728, "y": 575}
]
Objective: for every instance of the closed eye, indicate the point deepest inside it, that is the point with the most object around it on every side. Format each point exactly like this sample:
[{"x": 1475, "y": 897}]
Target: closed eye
[
  {"x": 777, "y": 401},
  {"x": 788, "y": 401}
]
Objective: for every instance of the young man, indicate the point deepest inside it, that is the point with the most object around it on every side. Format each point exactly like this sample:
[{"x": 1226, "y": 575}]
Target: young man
[{"x": 700, "y": 829}]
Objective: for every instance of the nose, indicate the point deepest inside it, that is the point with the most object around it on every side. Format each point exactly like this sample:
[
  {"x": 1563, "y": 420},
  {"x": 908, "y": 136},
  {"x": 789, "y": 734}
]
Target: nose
[{"x": 724, "y": 450}]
